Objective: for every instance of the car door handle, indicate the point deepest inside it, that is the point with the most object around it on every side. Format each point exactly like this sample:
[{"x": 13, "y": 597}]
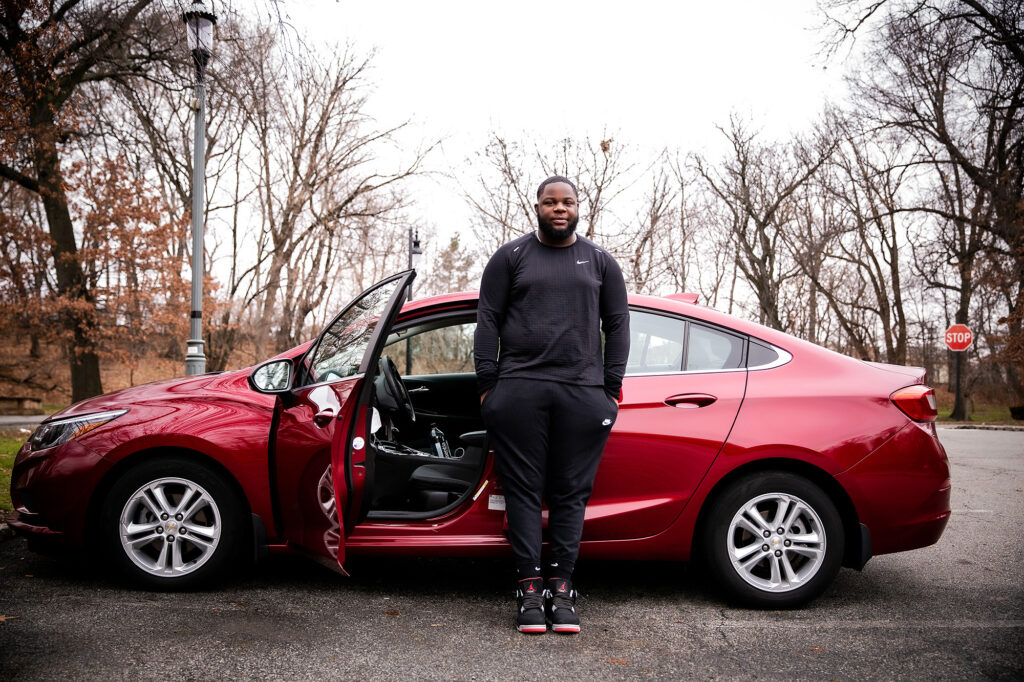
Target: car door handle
[
  {"x": 419, "y": 389},
  {"x": 689, "y": 401},
  {"x": 323, "y": 417}
]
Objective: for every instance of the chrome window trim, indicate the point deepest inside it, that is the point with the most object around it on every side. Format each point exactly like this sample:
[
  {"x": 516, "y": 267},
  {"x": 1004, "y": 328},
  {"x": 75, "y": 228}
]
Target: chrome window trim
[{"x": 685, "y": 371}]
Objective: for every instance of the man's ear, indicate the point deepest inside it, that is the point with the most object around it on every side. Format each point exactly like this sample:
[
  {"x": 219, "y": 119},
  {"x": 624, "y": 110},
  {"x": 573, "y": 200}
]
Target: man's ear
[{"x": 536, "y": 209}]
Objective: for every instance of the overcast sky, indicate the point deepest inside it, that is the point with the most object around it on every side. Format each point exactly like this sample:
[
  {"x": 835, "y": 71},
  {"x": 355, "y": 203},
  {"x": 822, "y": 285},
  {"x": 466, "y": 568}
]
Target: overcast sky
[{"x": 653, "y": 74}]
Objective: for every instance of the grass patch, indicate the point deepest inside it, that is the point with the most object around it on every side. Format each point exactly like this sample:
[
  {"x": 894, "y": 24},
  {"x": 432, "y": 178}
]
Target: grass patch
[
  {"x": 10, "y": 443},
  {"x": 50, "y": 408},
  {"x": 981, "y": 413}
]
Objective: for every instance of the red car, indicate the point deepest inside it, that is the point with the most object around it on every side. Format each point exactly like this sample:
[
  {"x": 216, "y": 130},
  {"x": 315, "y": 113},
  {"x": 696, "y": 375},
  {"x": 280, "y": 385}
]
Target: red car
[{"x": 773, "y": 459}]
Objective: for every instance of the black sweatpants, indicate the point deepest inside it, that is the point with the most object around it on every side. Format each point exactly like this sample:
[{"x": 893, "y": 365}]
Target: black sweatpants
[{"x": 547, "y": 438}]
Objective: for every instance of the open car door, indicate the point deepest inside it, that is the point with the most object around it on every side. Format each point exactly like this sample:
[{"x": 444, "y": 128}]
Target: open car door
[
  {"x": 346, "y": 353},
  {"x": 318, "y": 496}
]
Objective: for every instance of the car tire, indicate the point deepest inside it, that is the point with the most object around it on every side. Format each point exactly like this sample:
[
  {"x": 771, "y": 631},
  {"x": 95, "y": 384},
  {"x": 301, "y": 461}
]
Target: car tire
[
  {"x": 173, "y": 524},
  {"x": 756, "y": 564}
]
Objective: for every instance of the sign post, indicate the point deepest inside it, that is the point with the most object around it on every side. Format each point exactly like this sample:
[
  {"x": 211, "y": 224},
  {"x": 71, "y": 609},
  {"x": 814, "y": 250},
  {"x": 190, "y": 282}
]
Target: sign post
[{"x": 958, "y": 339}]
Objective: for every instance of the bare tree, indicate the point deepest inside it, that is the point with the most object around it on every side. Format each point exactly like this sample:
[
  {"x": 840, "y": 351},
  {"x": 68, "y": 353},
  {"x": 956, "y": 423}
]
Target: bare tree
[
  {"x": 755, "y": 185},
  {"x": 323, "y": 202},
  {"x": 601, "y": 171},
  {"x": 645, "y": 238},
  {"x": 950, "y": 75},
  {"x": 503, "y": 191},
  {"x": 852, "y": 214}
]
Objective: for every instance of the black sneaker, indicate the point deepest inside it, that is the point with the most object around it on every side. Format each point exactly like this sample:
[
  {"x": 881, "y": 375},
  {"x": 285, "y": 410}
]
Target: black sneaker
[
  {"x": 530, "y": 599},
  {"x": 561, "y": 606}
]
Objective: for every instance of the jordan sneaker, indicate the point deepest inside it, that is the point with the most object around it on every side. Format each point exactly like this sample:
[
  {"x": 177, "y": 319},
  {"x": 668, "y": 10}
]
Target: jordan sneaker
[
  {"x": 530, "y": 600},
  {"x": 561, "y": 606}
]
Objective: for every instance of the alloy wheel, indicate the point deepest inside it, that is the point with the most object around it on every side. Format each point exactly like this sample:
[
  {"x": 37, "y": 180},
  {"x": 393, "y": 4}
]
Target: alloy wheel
[
  {"x": 776, "y": 542},
  {"x": 170, "y": 527},
  {"x": 325, "y": 500}
]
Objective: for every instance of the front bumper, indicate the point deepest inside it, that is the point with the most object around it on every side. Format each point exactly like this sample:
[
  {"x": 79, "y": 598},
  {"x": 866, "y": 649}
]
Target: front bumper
[
  {"x": 901, "y": 491},
  {"x": 50, "y": 490}
]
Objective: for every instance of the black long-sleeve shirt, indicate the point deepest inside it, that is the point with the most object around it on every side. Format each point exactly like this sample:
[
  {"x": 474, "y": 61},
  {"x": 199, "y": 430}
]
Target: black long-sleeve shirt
[{"x": 546, "y": 306}]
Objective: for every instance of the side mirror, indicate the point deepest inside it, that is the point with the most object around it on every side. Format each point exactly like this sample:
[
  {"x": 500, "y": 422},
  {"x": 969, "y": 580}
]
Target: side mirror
[{"x": 272, "y": 377}]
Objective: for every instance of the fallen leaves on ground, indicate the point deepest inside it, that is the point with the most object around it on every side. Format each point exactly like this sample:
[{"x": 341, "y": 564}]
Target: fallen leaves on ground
[
  {"x": 5, "y": 617},
  {"x": 620, "y": 661}
]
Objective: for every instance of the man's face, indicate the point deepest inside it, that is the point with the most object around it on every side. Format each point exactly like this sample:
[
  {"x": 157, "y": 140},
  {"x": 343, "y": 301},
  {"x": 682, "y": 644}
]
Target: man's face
[{"x": 557, "y": 211}]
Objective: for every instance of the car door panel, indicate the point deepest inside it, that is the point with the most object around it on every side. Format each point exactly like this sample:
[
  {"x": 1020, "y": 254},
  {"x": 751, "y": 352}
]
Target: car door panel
[
  {"x": 351, "y": 468},
  {"x": 669, "y": 430},
  {"x": 317, "y": 487},
  {"x": 302, "y": 466}
]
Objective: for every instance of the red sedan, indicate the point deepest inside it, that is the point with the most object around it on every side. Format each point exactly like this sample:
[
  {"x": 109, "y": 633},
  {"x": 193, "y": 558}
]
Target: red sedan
[{"x": 774, "y": 460}]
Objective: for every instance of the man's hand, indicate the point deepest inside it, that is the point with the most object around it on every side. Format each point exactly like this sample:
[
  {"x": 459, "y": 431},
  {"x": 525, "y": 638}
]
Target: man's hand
[{"x": 484, "y": 395}]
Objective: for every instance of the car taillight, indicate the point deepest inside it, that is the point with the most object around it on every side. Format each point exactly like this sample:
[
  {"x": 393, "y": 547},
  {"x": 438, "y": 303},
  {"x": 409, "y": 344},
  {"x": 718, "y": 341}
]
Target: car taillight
[{"x": 917, "y": 402}]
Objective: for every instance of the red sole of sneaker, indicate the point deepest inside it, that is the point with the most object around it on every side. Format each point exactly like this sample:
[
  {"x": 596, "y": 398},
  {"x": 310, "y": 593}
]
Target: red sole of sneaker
[{"x": 566, "y": 629}]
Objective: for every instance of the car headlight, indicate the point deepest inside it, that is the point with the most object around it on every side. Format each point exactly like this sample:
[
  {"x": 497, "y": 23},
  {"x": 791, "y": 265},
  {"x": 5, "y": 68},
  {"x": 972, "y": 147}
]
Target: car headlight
[{"x": 60, "y": 431}]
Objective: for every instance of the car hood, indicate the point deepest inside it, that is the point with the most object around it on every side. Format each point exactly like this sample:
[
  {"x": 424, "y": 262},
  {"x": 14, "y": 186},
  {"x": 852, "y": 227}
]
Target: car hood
[{"x": 168, "y": 388}]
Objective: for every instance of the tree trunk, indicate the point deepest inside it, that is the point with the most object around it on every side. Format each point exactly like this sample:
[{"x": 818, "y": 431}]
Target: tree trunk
[{"x": 80, "y": 314}]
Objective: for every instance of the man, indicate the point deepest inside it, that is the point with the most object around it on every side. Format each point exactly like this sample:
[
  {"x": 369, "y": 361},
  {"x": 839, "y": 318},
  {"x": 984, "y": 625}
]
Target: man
[{"x": 547, "y": 397}]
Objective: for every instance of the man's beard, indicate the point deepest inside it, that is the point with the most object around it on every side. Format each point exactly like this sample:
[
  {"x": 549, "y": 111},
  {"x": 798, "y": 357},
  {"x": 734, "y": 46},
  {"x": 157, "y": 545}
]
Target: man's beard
[{"x": 547, "y": 228}]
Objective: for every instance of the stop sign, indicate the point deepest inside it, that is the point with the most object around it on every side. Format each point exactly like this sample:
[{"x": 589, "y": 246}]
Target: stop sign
[{"x": 959, "y": 337}]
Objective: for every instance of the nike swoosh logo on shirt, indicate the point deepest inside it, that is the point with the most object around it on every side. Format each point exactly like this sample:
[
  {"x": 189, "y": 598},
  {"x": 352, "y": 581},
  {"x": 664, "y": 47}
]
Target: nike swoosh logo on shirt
[{"x": 581, "y": 262}]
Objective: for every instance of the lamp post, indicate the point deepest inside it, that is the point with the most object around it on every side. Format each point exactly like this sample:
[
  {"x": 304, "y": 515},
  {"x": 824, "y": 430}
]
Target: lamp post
[
  {"x": 415, "y": 254},
  {"x": 199, "y": 22}
]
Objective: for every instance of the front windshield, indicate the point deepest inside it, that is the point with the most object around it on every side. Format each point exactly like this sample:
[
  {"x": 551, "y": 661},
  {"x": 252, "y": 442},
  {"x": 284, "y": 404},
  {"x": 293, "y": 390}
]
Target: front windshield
[{"x": 343, "y": 345}]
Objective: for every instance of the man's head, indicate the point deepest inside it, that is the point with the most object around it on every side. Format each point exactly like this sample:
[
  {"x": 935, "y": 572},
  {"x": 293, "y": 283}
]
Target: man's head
[{"x": 557, "y": 208}]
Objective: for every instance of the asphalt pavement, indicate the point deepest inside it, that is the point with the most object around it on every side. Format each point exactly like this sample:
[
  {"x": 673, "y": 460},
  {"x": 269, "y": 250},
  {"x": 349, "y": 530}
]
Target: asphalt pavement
[{"x": 951, "y": 611}]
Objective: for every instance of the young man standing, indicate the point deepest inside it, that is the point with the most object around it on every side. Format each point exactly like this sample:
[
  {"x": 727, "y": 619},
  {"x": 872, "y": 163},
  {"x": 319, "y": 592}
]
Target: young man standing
[{"x": 547, "y": 396}]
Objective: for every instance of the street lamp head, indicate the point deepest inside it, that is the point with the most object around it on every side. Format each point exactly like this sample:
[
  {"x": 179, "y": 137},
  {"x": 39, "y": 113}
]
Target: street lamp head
[
  {"x": 199, "y": 22},
  {"x": 415, "y": 252}
]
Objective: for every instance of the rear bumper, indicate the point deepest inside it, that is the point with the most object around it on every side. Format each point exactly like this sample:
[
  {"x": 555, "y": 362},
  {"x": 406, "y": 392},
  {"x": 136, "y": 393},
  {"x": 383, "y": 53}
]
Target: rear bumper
[{"x": 901, "y": 491}]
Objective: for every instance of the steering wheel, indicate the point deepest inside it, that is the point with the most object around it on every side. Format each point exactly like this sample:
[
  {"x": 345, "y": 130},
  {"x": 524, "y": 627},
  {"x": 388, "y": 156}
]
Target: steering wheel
[{"x": 396, "y": 396}]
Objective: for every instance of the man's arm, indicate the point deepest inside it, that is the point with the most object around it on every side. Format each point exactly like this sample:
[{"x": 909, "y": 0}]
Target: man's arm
[
  {"x": 615, "y": 324},
  {"x": 490, "y": 313}
]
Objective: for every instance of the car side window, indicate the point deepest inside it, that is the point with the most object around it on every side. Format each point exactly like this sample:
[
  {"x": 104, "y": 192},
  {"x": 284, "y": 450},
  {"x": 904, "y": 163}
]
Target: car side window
[
  {"x": 760, "y": 355},
  {"x": 655, "y": 343},
  {"x": 433, "y": 349},
  {"x": 712, "y": 349},
  {"x": 343, "y": 345}
]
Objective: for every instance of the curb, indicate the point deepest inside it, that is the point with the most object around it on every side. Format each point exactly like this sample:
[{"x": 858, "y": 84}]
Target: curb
[{"x": 980, "y": 427}]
